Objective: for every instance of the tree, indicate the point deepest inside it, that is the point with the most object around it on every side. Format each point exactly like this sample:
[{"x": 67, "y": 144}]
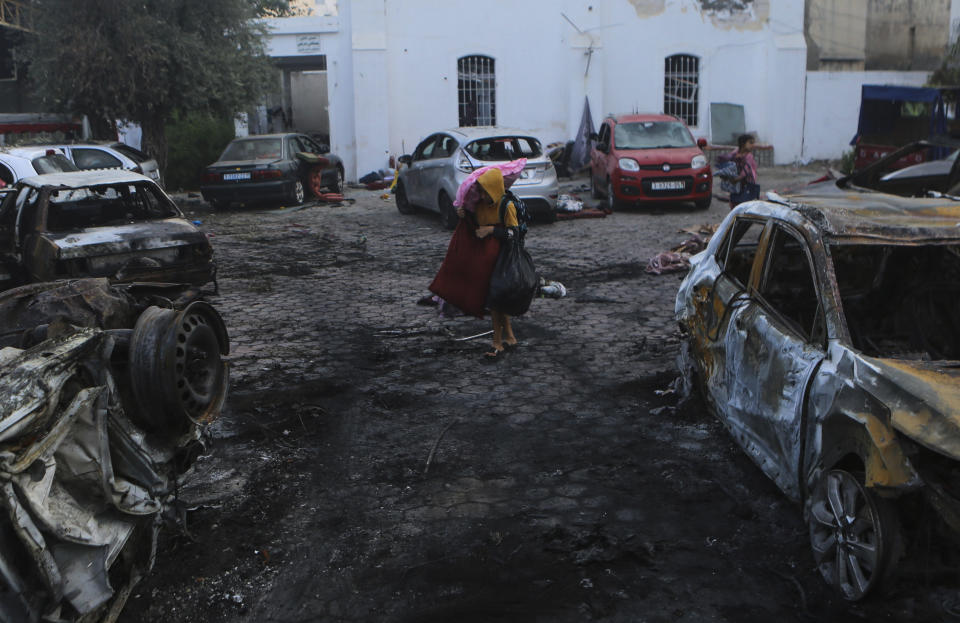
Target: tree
[{"x": 148, "y": 60}]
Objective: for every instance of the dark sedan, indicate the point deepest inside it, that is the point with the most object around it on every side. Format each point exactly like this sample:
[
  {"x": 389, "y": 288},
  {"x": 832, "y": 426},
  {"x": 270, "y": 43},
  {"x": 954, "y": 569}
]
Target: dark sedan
[{"x": 271, "y": 167}]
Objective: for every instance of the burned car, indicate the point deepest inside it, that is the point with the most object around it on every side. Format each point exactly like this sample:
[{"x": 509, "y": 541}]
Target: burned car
[
  {"x": 105, "y": 393},
  {"x": 822, "y": 331},
  {"x": 106, "y": 223}
]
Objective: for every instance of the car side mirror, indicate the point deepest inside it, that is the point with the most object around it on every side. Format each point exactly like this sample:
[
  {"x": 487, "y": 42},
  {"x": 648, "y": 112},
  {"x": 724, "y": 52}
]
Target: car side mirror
[
  {"x": 405, "y": 159},
  {"x": 701, "y": 143}
]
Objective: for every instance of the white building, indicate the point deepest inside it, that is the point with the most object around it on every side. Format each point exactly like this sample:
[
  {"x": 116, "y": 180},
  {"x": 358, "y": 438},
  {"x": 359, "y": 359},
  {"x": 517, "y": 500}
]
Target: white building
[{"x": 382, "y": 74}]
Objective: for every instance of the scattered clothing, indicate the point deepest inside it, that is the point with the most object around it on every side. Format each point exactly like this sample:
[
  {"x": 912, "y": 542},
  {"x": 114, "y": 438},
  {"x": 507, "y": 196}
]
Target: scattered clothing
[
  {"x": 668, "y": 262},
  {"x": 566, "y": 203}
]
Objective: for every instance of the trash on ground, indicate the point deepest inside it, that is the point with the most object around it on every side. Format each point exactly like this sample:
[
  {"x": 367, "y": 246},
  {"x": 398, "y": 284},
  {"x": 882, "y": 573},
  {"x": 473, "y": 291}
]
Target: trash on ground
[
  {"x": 668, "y": 262},
  {"x": 552, "y": 289},
  {"x": 568, "y": 203}
]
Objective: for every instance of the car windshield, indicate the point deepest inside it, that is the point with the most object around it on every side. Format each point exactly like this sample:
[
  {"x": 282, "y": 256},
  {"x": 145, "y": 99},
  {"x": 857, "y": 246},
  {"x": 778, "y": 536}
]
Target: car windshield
[
  {"x": 651, "y": 135},
  {"x": 53, "y": 163},
  {"x": 900, "y": 301},
  {"x": 253, "y": 149},
  {"x": 111, "y": 204},
  {"x": 504, "y": 148}
]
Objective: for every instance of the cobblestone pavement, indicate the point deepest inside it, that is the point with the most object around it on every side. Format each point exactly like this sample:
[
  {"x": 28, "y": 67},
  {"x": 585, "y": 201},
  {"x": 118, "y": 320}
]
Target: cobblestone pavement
[{"x": 370, "y": 466}]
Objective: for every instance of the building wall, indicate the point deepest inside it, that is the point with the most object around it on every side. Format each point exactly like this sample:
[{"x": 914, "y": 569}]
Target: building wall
[
  {"x": 392, "y": 67},
  {"x": 877, "y": 35},
  {"x": 833, "y": 107}
]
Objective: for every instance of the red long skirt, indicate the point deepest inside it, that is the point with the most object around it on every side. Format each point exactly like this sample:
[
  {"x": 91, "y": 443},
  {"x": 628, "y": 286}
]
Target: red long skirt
[{"x": 464, "y": 276}]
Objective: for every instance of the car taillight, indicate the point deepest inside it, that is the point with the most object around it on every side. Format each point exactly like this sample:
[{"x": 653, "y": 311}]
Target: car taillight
[
  {"x": 266, "y": 174},
  {"x": 211, "y": 177}
]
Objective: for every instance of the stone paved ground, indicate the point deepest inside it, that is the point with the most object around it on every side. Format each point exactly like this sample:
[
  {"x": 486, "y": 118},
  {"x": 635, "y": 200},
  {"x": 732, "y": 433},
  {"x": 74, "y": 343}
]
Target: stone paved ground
[{"x": 370, "y": 466}]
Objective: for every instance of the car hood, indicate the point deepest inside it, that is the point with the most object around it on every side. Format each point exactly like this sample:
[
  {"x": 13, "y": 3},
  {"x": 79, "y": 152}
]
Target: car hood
[
  {"x": 128, "y": 238},
  {"x": 923, "y": 398},
  {"x": 661, "y": 155}
]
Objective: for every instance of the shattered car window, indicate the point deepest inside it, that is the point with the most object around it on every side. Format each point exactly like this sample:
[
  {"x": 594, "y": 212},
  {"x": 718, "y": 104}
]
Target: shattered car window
[
  {"x": 789, "y": 287},
  {"x": 651, "y": 135},
  {"x": 736, "y": 253},
  {"x": 900, "y": 301},
  {"x": 106, "y": 205},
  {"x": 504, "y": 148}
]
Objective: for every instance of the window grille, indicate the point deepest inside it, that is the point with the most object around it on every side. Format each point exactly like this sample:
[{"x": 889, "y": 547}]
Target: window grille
[
  {"x": 476, "y": 91},
  {"x": 681, "y": 87}
]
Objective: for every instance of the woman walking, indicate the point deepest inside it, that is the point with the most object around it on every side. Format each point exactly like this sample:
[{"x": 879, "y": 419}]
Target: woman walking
[{"x": 746, "y": 169}]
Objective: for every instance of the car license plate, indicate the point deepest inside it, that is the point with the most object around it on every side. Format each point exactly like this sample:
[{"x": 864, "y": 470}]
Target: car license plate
[
  {"x": 235, "y": 176},
  {"x": 678, "y": 185}
]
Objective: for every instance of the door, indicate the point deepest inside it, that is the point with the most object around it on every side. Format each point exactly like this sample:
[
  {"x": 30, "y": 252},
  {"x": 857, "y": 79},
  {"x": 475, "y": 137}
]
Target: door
[
  {"x": 598, "y": 157},
  {"x": 415, "y": 183},
  {"x": 713, "y": 295},
  {"x": 775, "y": 341}
]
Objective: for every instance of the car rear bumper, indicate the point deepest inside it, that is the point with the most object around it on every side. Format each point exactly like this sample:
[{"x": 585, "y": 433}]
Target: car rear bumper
[
  {"x": 643, "y": 187},
  {"x": 246, "y": 192}
]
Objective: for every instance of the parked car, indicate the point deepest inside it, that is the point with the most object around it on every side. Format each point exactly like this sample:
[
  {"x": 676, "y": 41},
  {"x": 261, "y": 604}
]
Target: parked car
[
  {"x": 112, "y": 156},
  {"x": 639, "y": 159},
  {"x": 109, "y": 223},
  {"x": 271, "y": 167},
  {"x": 20, "y": 162},
  {"x": 443, "y": 160},
  {"x": 822, "y": 331}
]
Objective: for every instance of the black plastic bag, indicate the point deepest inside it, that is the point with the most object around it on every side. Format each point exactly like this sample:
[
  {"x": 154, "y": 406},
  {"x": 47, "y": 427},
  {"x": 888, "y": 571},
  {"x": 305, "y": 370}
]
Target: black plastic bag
[{"x": 514, "y": 280}]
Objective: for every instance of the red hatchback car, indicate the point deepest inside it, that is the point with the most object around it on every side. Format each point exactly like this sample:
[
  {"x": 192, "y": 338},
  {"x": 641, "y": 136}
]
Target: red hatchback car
[{"x": 648, "y": 158}]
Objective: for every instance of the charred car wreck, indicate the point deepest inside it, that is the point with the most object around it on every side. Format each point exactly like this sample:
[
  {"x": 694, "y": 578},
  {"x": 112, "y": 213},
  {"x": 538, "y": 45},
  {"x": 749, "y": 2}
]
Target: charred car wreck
[
  {"x": 823, "y": 332},
  {"x": 105, "y": 391},
  {"x": 104, "y": 223}
]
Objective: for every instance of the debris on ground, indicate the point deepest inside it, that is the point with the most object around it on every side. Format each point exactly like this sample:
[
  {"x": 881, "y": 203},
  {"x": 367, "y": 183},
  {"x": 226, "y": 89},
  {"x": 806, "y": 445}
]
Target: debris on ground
[
  {"x": 104, "y": 397},
  {"x": 569, "y": 203},
  {"x": 668, "y": 262},
  {"x": 552, "y": 289},
  {"x": 586, "y": 213}
]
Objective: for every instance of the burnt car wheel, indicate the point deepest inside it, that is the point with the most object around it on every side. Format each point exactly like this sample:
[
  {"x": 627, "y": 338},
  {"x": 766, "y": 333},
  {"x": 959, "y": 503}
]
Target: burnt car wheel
[
  {"x": 176, "y": 366},
  {"x": 403, "y": 204},
  {"x": 298, "y": 193},
  {"x": 448, "y": 214},
  {"x": 855, "y": 535}
]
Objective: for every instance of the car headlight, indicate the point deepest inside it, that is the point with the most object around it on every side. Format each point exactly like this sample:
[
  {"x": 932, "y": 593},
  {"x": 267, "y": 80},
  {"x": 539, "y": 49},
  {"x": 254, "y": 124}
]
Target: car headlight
[
  {"x": 628, "y": 164},
  {"x": 698, "y": 162}
]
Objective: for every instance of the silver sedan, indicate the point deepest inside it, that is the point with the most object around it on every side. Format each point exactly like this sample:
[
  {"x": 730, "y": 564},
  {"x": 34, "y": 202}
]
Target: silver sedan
[{"x": 441, "y": 161}]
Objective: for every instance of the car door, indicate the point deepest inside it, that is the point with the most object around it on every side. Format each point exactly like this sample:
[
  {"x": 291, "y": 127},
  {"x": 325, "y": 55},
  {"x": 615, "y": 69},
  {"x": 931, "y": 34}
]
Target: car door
[
  {"x": 775, "y": 341},
  {"x": 414, "y": 181},
  {"x": 715, "y": 292},
  {"x": 598, "y": 157}
]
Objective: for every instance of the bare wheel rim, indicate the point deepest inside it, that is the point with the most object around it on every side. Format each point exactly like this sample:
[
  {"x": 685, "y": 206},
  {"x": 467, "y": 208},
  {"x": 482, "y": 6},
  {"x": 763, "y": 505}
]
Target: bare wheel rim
[
  {"x": 198, "y": 365},
  {"x": 339, "y": 186},
  {"x": 298, "y": 192},
  {"x": 847, "y": 535}
]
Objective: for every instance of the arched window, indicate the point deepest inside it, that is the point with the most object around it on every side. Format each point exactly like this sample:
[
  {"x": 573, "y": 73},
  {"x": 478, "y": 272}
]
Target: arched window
[
  {"x": 476, "y": 91},
  {"x": 681, "y": 88}
]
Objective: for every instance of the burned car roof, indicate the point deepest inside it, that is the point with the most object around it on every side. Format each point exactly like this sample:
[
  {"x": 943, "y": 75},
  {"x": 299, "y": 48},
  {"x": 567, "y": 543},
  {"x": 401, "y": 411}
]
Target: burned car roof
[
  {"x": 79, "y": 179},
  {"x": 840, "y": 213}
]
